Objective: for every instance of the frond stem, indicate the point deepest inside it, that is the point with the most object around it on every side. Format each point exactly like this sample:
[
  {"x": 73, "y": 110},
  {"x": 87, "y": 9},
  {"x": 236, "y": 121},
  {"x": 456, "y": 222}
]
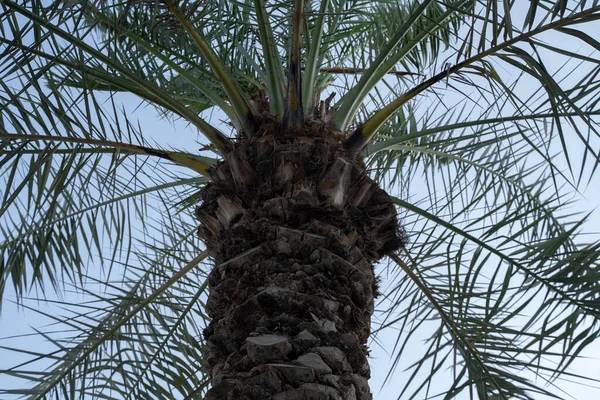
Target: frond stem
[
  {"x": 293, "y": 115},
  {"x": 312, "y": 60},
  {"x": 245, "y": 113},
  {"x": 357, "y": 71},
  {"x": 163, "y": 288},
  {"x": 184, "y": 159},
  {"x": 220, "y": 141},
  {"x": 454, "y": 331},
  {"x": 361, "y": 136},
  {"x": 273, "y": 65}
]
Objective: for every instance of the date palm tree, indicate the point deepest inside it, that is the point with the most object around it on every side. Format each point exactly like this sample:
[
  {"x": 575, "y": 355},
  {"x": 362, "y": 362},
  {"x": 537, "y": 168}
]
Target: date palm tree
[{"x": 440, "y": 142}]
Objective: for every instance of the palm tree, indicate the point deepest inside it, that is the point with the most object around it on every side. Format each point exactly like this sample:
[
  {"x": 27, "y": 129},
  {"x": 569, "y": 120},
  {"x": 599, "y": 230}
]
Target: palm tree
[{"x": 474, "y": 114}]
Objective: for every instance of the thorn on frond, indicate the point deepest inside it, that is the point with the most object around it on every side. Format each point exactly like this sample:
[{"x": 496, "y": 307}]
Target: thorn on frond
[{"x": 324, "y": 111}]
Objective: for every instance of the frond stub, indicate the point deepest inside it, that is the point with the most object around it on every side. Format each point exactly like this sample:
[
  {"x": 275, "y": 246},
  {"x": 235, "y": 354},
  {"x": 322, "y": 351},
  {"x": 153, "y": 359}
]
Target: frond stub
[{"x": 293, "y": 115}]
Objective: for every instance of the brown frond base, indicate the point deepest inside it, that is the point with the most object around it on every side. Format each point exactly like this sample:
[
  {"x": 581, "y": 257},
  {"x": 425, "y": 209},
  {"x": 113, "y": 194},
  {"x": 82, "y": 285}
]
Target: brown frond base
[{"x": 294, "y": 225}]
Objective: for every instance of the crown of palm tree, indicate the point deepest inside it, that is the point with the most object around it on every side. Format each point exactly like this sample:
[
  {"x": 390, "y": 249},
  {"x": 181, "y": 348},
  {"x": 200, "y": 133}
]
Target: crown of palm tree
[{"x": 481, "y": 117}]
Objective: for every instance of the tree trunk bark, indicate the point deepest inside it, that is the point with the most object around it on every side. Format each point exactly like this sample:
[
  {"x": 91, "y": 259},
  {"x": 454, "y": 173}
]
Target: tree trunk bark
[{"x": 294, "y": 225}]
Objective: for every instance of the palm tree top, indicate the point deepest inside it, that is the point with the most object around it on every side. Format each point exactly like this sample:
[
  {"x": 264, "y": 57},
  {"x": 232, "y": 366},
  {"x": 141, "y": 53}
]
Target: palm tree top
[{"x": 481, "y": 118}]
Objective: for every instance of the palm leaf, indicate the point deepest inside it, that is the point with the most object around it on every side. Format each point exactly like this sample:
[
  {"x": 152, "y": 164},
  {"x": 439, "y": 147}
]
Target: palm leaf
[{"x": 494, "y": 297}]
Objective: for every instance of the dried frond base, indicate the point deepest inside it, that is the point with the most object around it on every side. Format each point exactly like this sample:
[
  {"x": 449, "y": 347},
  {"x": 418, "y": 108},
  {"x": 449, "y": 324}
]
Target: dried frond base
[{"x": 294, "y": 225}]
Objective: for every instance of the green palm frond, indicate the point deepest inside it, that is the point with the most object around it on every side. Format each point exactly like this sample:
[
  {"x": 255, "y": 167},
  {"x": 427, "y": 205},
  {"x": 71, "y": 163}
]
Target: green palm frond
[
  {"x": 294, "y": 113},
  {"x": 244, "y": 112},
  {"x": 150, "y": 310},
  {"x": 68, "y": 219},
  {"x": 193, "y": 82},
  {"x": 493, "y": 217},
  {"x": 478, "y": 116},
  {"x": 424, "y": 27},
  {"x": 273, "y": 65},
  {"x": 508, "y": 52},
  {"x": 125, "y": 80}
]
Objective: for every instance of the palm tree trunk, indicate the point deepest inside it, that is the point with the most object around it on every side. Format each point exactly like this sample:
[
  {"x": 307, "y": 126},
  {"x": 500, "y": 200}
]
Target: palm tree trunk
[{"x": 294, "y": 225}]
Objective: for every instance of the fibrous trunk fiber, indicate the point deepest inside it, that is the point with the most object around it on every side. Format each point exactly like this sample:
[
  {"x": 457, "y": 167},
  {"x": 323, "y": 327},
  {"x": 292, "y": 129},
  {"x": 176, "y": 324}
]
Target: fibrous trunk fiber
[{"x": 294, "y": 225}]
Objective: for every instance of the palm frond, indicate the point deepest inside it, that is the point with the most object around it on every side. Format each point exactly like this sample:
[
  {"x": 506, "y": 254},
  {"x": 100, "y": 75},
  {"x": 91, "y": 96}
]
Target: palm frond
[
  {"x": 420, "y": 23},
  {"x": 127, "y": 79},
  {"x": 491, "y": 250},
  {"x": 508, "y": 52},
  {"x": 496, "y": 295},
  {"x": 294, "y": 115},
  {"x": 273, "y": 66},
  {"x": 132, "y": 48},
  {"x": 127, "y": 339},
  {"x": 240, "y": 104}
]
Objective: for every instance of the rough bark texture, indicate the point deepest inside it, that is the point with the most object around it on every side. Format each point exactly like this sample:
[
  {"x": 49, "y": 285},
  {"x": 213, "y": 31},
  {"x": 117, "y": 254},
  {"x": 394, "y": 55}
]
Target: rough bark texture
[{"x": 294, "y": 225}]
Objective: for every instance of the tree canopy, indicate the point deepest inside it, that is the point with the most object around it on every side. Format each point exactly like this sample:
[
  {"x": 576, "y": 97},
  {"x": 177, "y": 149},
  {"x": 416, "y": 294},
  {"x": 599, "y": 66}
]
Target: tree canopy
[{"x": 480, "y": 117}]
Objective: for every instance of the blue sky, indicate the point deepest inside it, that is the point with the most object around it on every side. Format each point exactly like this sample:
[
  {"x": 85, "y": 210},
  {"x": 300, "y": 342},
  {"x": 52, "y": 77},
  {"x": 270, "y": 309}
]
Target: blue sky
[{"x": 17, "y": 322}]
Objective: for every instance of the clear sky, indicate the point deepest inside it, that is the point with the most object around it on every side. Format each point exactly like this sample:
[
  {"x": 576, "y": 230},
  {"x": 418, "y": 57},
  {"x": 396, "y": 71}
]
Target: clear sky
[{"x": 16, "y": 322}]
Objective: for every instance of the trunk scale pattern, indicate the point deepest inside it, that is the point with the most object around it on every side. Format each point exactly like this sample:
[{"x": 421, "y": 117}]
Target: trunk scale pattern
[{"x": 294, "y": 225}]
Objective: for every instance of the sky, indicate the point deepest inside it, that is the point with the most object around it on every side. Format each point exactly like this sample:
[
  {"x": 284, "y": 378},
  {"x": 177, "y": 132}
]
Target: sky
[{"x": 14, "y": 321}]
